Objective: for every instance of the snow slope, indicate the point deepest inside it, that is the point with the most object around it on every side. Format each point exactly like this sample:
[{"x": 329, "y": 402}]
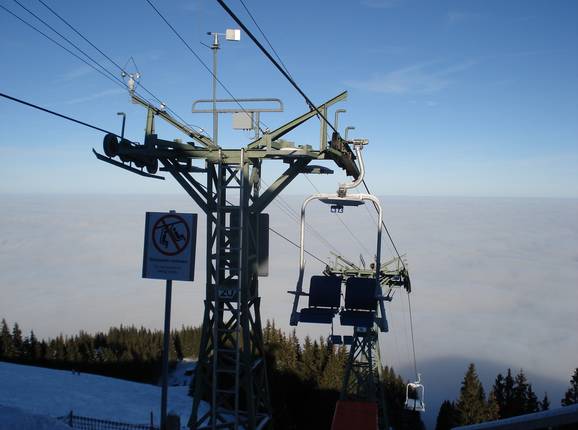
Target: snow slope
[
  {"x": 14, "y": 418},
  {"x": 57, "y": 392}
]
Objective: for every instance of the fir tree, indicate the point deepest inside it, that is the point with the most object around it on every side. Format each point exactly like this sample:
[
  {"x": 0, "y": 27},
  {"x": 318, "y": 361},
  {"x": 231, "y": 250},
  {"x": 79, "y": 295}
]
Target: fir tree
[
  {"x": 520, "y": 401},
  {"x": 448, "y": 416},
  {"x": 6, "y": 345},
  {"x": 571, "y": 395},
  {"x": 533, "y": 404},
  {"x": 472, "y": 403},
  {"x": 492, "y": 409},
  {"x": 504, "y": 394},
  {"x": 17, "y": 340},
  {"x": 545, "y": 403},
  {"x": 498, "y": 391}
]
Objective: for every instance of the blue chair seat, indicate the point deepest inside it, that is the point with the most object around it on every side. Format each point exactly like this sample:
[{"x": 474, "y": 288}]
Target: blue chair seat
[
  {"x": 357, "y": 318},
  {"x": 317, "y": 315},
  {"x": 348, "y": 340}
]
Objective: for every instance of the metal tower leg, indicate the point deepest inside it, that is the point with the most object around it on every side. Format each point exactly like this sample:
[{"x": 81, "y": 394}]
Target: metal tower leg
[
  {"x": 361, "y": 380},
  {"x": 231, "y": 373}
]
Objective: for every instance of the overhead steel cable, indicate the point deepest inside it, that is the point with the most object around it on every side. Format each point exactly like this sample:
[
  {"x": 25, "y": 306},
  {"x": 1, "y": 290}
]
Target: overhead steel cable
[
  {"x": 69, "y": 42},
  {"x": 117, "y": 65},
  {"x": 286, "y": 74},
  {"x": 297, "y": 246},
  {"x": 192, "y": 51},
  {"x": 275, "y": 63},
  {"x": 386, "y": 229},
  {"x": 80, "y": 34},
  {"x": 408, "y": 293},
  {"x": 265, "y": 37},
  {"x": 102, "y": 70},
  {"x": 412, "y": 337},
  {"x": 291, "y": 213},
  {"x": 282, "y": 236},
  {"x": 32, "y": 105},
  {"x": 63, "y": 47}
]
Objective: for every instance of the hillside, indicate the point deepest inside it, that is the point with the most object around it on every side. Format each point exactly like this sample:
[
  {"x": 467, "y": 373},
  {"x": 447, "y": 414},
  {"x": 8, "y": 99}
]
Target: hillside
[{"x": 56, "y": 392}]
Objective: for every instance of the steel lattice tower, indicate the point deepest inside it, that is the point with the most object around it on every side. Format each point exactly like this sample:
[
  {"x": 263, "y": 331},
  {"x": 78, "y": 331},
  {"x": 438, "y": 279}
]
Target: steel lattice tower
[{"x": 231, "y": 374}]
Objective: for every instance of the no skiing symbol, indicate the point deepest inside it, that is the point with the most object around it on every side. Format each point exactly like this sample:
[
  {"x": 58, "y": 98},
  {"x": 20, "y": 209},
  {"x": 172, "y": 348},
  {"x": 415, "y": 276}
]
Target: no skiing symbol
[{"x": 171, "y": 235}]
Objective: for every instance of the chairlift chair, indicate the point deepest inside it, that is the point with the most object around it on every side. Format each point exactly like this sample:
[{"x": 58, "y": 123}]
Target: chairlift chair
[
  {"x": 360, "y": 302},
  {"x": 360, "y": 306},
  {"x": 415, "y": 400},
  {"x": 324, "y": 298}
]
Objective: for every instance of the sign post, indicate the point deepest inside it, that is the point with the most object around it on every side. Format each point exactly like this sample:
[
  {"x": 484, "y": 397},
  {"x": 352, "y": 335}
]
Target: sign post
[
  {"x": 169, "y": 254},
  {"x": 165, "y": 370}
]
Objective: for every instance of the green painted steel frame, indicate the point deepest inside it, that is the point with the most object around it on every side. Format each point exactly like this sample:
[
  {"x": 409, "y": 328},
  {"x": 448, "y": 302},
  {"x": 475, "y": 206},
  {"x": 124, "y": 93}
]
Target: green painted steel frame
[{"x": 250, "y": 404}]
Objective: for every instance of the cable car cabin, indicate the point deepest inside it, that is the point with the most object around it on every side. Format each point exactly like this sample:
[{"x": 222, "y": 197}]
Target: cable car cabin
[
  {"x": 360, "y": 302},
  {"x": 324, "y": 300},
  {"x": 414, "y": 396},
  {"x": 355, "y": 415}
]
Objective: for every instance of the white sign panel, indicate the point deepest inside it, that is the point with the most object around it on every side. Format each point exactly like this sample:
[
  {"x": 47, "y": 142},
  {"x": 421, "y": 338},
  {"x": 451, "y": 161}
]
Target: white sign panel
[{"x": 169, "y": 247}]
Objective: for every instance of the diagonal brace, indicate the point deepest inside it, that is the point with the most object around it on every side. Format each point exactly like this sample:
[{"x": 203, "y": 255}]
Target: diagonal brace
[
  {"x": 279, "y": 185},
  {"x": 186, "y": 185},
  {"x": 284, "y": 129}
]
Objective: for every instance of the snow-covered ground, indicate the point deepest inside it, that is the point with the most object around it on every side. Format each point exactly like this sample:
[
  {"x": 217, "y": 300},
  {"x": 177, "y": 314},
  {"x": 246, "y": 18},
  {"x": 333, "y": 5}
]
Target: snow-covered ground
[
  {"x": 56, "y": 392},
  {"x": 15, "y": 418},
  {"x": 182, "y": 373}
]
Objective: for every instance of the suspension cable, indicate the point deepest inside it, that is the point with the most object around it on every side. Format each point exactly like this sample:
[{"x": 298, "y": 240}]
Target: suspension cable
[
  {"x": 68, "y": 118},
  {"x": 67, "y": 40},
  {"x": 265, "y": 37},
  {"x": 115, "y": 81},
  {"x": 192, "y": 51},
  {"x": 275, "y": 63},
  {"x": 289, "y": 211},
  {"x": 412, "y": 337},
  {"x": 117, "y": 65}
]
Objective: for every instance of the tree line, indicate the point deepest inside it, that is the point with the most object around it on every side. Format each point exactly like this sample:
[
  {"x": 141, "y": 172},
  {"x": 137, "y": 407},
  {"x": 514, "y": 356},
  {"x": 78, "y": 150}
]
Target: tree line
[
  {"x": 510, "y": 396},
  {"x": 305, "y": 377},
  {"x": 125, "y": 352}
]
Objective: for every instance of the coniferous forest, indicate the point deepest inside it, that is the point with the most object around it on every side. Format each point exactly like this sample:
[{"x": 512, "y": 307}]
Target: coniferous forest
[
  {"x": 125, "y": 352},
  {"x": 510, "y": 396},
  {"x": 305, "y": 376}
]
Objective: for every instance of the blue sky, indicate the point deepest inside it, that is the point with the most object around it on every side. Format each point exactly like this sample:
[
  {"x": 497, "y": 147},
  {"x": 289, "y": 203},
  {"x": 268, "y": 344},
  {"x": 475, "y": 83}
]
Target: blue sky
[{"x": 474, "y": 98}]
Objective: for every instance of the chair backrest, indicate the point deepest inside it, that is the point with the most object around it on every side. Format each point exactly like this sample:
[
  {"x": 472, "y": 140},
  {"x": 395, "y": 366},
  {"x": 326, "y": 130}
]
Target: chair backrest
[
  {"x": 360, "y": 294},
  {"x": 325, "y": 292}
]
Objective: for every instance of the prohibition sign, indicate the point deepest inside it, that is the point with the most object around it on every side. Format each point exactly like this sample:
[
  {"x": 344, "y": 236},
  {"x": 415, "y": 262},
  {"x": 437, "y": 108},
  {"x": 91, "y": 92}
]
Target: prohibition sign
[{"x": 171, "y": 235}]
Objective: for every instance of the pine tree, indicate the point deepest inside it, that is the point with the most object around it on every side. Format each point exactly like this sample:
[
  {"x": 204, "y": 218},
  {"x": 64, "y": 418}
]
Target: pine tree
[
  {"x": 6, "y": 345},
  {"x": 472, "y": 402},
  {"x": 545, "y": 403},
  {"x": 506, "y": 403},
  {"x": 498, "y": 391},
  {"x": 520, "y": 404},
  {"x": 448, "y": 416},
  {"x": 571, "y": 395},
  {"x": 492, "y": 408},
  {"x": 17, "y": 341},
  {"x": 532, "y": 405}
]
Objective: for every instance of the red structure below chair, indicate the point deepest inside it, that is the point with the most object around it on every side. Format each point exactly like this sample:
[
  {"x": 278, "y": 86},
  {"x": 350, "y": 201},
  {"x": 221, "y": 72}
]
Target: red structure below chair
[{"x": 354, "y": 415}]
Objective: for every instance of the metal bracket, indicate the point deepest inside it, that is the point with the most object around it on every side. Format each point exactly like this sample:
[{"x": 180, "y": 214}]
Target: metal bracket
[{"x": 124, "y": 166}]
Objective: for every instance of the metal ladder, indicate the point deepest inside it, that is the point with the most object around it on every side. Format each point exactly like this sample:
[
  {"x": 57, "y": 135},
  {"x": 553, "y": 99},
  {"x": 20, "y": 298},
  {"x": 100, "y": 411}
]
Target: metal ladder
[{"x": 229, "y": 276}]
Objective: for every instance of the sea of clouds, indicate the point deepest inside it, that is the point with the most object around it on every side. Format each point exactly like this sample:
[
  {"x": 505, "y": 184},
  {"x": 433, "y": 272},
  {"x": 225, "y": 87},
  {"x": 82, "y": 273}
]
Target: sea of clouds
[{"x": 494, "y": 279}]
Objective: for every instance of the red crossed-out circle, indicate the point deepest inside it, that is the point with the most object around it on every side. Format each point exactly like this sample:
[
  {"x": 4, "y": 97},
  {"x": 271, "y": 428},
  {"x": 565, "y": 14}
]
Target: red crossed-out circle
[{"x": 168, "y": 224}]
